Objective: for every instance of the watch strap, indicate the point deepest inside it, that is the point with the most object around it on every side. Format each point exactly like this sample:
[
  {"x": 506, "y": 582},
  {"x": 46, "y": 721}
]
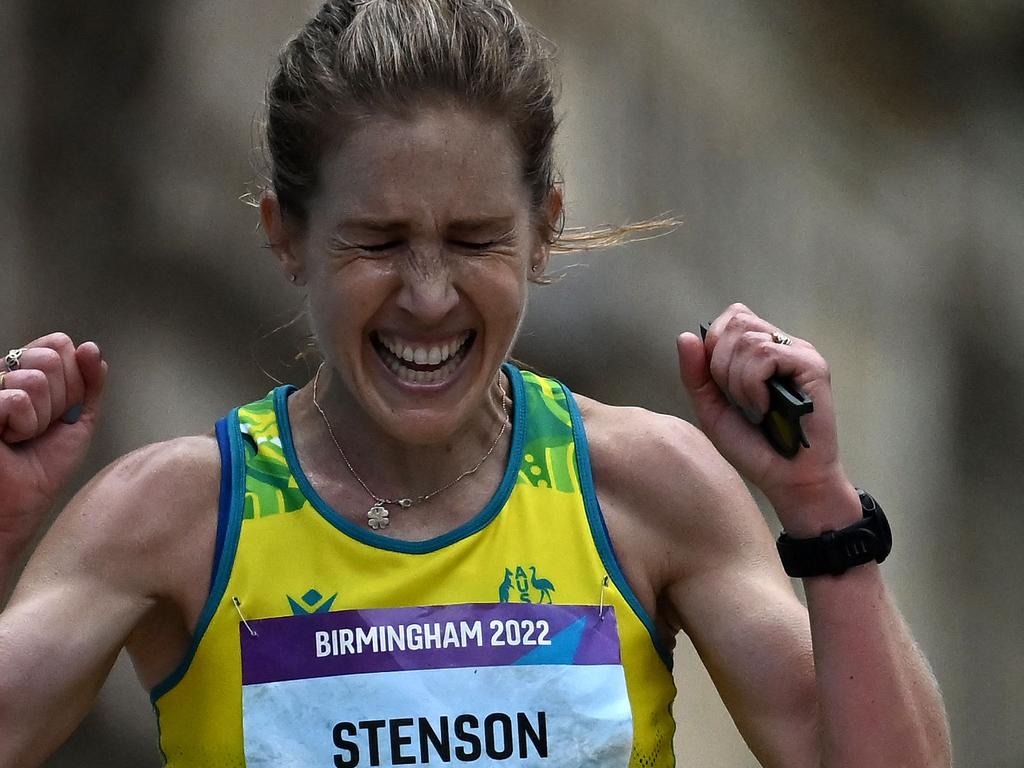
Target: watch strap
[{"x": 835, "y": 552}]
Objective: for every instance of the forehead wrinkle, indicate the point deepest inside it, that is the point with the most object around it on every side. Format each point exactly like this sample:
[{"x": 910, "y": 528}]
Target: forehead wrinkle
[{"x": 441, "y": 166}]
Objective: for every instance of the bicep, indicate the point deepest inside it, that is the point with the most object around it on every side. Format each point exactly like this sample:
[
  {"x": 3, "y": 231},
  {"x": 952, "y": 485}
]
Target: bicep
[
  {"x": 751, "y": 631},
  {"x": 71, "y": 612}
]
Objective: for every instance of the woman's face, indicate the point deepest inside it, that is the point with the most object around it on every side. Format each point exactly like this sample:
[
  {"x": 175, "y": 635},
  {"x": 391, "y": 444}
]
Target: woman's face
[{"x": 417, "y": 253}]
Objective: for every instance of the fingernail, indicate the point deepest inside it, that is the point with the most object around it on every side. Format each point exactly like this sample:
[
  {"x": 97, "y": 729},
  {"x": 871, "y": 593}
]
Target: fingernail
[
  {"x": 73, "y": 414},
  {"x": 752, "y": 416}
]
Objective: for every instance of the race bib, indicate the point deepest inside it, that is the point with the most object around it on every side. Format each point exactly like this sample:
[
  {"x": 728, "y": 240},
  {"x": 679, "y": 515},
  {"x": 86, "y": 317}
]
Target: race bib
[{"x": 480, "y": 684}]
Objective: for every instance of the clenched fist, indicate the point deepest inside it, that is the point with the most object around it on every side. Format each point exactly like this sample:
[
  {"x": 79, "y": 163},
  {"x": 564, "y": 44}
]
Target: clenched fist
[
  {"x": 48, "y": 411},
  {"x": 725, "y": 377}
]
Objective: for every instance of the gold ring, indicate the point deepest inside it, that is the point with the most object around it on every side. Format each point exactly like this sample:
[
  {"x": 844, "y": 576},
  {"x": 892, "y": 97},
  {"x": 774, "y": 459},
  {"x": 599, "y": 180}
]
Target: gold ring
[
  {"x": 780, "y": 338},
  {"x": 3, "y": 375}
]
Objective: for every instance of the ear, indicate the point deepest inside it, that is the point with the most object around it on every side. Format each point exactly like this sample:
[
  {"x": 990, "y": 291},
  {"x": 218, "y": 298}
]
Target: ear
[
  {"x": 552, "y": 213},
  {"x": 280, "y": 238}
]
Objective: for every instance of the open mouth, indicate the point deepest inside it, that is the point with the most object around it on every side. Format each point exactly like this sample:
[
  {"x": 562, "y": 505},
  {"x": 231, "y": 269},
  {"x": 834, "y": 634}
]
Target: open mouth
[{"x": 417, "y": 363}]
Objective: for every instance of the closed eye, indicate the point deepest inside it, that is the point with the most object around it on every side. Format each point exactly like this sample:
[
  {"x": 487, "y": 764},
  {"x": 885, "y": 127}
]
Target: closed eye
[
  {"x": 341, "y": 245},
  {"x": 481, "y": 244},
  {"x": 378, "y": 248},
  {"x": 474, "y": 245}
]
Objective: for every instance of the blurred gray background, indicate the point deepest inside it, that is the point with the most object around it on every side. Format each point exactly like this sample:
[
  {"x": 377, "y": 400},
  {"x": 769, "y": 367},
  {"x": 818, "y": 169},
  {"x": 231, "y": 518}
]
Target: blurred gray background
[{"x": 852, "y": 170}]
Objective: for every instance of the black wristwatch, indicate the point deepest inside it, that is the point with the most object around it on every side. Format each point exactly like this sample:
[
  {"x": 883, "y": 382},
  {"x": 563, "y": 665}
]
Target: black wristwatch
[{"x": 834, "y": 552}]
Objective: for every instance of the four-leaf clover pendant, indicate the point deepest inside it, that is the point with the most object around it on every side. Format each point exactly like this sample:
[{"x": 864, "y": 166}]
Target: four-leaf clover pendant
[{"x": 377, "y": 517}]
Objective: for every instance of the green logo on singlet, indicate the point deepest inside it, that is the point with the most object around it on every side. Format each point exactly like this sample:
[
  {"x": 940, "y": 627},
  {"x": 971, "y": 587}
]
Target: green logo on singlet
[
  {"x": 310, "y": 603},
  {"x": 518, "y": 587}
]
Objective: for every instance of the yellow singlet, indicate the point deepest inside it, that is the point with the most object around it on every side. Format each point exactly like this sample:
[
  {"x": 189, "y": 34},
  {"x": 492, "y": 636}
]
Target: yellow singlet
[{"x": 512, "y": 640}]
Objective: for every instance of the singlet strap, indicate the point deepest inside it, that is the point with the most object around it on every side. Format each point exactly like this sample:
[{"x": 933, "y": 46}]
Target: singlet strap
[
  {"x": 602, "y": 538},
  {"x": 224, "y": 500},
  {"x": 229, "y": 520}
]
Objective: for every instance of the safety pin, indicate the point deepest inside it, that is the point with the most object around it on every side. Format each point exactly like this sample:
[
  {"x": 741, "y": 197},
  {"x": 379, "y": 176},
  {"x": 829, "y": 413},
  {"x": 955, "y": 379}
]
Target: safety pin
[
  {"x": 238, "y": 607},
  {"x": 600, "y": 608}
]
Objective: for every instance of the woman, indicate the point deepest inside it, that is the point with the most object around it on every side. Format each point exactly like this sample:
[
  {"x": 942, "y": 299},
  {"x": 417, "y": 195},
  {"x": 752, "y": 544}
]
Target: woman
[{"x": 426, "y": 555}]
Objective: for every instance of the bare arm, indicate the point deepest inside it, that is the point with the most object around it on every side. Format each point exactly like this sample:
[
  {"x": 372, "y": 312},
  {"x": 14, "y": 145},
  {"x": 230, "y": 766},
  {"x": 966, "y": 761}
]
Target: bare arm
[
  {"x": 840, "y": 684},
  {"x": 696, "y": 550},
  {"x": 109, "y": 559},
  {"x": 843, "y": 686},
  {"x": 872, "y": 680},
  {"x": 874, "y": 701}
]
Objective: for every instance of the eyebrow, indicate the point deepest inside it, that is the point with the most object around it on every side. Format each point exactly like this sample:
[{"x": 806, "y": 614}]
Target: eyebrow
[
  {"x": 472, "y": 224},
  {"x": 373, "y": 225},
  {"x": 469, "y": 224}
]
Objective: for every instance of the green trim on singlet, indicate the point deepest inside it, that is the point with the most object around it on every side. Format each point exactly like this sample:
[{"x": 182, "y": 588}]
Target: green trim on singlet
[
  {"x": 599, "y": 530},
  {"x": 368, "y": 537},
  {"x": 226, "y": 559}
]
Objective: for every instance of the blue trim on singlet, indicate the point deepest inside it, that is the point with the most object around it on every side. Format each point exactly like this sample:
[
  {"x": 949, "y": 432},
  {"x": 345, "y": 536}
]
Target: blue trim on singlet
[
  {"x": 230, "y": 508},
  {"x": 224, "y": 503},
  {"x": 599, "y": 530},
  {"x": 368, "y": 537}
]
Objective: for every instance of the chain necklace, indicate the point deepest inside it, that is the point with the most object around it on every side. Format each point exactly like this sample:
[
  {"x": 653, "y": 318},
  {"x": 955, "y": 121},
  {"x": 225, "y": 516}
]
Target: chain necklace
[{"x": 377, "y": 515}]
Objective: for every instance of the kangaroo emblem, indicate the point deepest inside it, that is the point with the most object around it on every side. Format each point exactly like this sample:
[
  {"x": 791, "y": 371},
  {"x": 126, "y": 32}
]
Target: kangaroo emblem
[{"x": 505, "y": 587}]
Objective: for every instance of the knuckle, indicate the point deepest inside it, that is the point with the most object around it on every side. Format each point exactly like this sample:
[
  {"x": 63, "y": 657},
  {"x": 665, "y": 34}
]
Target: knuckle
[
  {"x": 48, "y": 358},
  {"x": 16, "y": 398},
  {"x": 58, "y": 341},
  {"x": 817, "y": 366},
  {"x": 735, "y": 323},
  {"x": 750, "y": 340},
  {"x": 32, "y": 378}
]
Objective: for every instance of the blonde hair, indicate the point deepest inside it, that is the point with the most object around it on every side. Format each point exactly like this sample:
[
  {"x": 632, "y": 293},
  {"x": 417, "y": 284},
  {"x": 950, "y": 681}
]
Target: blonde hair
[{"x": 357, "y": 57}]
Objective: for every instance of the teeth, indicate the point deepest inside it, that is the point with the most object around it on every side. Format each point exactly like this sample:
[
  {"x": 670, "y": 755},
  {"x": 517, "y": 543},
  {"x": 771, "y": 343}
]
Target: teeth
[
  {"x": 423, "y": 355},
  {"x": 443, "y": 355}
]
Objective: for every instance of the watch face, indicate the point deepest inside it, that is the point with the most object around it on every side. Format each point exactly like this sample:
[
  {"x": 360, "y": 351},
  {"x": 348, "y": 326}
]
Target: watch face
[
  {"x": 883, "y": 525},
  {"x": 879, "y": 524}
]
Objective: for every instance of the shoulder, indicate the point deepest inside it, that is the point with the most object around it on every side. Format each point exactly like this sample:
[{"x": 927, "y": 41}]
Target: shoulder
[
  {"x": 185, "y": 469},
  {"x": 142, "y": 508},
  {"x": 633, "y": 449},
  {"x": 668, "y": 496}
]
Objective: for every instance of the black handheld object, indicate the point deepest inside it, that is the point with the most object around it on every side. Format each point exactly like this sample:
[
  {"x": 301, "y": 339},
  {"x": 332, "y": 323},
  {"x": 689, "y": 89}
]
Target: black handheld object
[{"x": 781, "y": 425}]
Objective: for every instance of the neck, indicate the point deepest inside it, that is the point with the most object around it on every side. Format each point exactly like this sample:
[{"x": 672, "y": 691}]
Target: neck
[{"x": 390, "y": 468}]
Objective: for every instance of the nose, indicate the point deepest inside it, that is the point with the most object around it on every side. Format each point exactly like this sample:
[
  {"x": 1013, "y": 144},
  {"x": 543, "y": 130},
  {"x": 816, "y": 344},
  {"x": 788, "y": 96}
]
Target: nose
[{"x": 428, "y": 292}]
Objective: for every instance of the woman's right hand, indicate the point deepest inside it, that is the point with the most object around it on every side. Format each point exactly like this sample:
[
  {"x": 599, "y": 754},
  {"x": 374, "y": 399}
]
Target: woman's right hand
[{"x": 48, "y": 413}]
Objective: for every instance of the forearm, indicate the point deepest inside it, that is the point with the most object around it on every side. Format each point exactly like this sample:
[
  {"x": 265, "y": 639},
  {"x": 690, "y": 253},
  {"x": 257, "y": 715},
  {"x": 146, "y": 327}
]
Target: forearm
[{"x": 879, "y": 703}]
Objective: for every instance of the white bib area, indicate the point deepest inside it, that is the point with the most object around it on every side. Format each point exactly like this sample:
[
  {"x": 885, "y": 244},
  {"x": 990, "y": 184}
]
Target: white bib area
[{"x": 478, "y": 684}]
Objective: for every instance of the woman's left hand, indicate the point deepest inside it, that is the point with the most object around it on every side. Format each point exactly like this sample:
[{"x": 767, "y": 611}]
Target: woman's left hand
[{"x": 731, "y": 366}]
